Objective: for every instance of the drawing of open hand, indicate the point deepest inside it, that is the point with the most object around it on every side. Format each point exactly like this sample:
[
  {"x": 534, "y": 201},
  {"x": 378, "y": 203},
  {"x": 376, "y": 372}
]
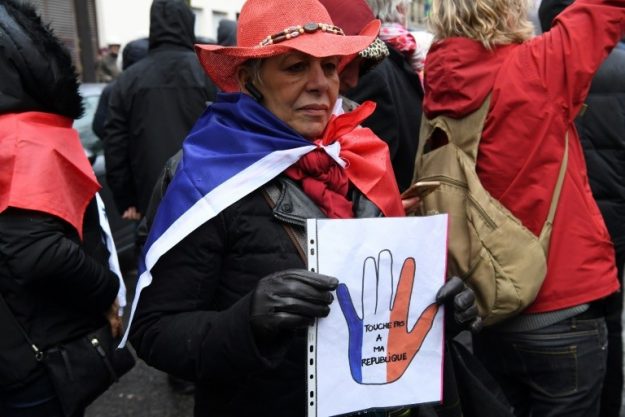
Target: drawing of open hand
[{"x": 381, "y": 347}]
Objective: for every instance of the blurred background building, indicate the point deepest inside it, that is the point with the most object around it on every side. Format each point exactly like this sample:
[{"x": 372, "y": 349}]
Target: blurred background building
[
  {"x": 87, "y": 26},
  {"x": 418, "y": 12}
]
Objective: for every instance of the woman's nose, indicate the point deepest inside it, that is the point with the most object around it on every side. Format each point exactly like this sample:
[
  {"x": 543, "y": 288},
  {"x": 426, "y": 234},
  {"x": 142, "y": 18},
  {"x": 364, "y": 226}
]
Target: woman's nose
[{"x": 317, "y": 77}]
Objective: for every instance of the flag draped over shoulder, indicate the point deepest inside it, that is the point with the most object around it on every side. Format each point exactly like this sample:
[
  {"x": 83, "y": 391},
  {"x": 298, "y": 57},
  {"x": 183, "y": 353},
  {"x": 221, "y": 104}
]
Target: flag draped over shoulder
[{"x": 236, "y": 147}]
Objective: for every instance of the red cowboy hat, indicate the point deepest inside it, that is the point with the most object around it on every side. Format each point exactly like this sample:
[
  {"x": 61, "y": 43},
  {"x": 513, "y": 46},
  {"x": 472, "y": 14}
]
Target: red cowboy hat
[
  {"x": 350, "y": 15},
  {"x": 270, "y": 28}
]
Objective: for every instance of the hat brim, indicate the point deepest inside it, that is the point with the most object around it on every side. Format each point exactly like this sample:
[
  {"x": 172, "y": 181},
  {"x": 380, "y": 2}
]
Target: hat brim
[{"x": 221, "y": 62}]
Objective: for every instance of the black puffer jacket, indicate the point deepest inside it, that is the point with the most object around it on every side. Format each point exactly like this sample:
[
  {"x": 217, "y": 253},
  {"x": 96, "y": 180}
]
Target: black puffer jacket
[
  {"x": 193, "y": 320},
  {"x": 153, "y": 105},
  {"x": 44, "y": 254},
  {"x": 57, "y": 286}
]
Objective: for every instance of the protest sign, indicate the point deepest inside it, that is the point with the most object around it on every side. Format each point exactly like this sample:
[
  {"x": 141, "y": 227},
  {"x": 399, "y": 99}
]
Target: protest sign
[{"x": 381, "y": 346}]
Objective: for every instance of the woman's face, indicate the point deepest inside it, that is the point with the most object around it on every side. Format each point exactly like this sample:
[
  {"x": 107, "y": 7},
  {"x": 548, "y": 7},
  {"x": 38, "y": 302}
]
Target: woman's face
[{"x": 300, "y": 90}]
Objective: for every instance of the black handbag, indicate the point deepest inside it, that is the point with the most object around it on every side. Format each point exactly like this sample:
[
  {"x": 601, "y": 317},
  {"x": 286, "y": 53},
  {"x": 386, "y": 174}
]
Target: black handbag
[
  {"x": 480, "y": 395},
  {"x": 83, "y": 368}
]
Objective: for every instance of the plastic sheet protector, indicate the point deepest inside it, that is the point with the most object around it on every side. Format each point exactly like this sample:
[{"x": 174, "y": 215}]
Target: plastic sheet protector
[{"x": 381, "y": 346}]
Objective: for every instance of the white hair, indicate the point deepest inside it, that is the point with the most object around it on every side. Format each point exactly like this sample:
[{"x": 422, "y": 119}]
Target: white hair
[{"x": 390, "y": 11}]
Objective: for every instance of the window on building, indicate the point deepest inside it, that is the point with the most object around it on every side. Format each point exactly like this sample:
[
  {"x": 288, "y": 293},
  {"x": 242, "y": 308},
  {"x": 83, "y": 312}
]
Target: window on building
[{"x": 74, "y": 22}]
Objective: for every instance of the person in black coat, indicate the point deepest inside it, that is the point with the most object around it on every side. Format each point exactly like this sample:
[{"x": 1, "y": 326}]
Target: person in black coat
[
  {"x": 392, "y": 84},
  {"x": 132, "y": 53},
  {"x": 601, "y": 129},
  {"x": 54, "y": 275},
  {"x": 152, "y": 107},
  {"x": 397, "y": 91},
  {"x": 227, "y": 32}
]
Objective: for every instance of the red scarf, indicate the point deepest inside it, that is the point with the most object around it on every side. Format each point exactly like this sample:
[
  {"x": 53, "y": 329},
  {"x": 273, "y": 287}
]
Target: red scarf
[
  {"x": 44, "y": 167},
  {"x": 368, "y": 168},
  {"x": 403, "y": 41}
]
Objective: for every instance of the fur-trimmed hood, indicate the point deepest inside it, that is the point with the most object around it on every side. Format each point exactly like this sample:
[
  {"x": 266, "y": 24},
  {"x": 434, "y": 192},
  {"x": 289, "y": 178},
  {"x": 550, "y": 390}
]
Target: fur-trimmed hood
[{"x": 36, "y": 70}]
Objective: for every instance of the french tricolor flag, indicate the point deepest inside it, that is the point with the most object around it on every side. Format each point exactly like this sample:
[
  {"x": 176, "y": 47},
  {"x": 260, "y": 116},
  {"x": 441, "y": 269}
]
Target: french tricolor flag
[
  {"x": 381, "y": 343},
  {"x": 236, "y": 147}
]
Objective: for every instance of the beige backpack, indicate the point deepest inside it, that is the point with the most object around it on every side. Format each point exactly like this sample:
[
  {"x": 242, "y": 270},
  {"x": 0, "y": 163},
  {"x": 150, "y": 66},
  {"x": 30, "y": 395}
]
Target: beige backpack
[{"x": 489, "y": 248}]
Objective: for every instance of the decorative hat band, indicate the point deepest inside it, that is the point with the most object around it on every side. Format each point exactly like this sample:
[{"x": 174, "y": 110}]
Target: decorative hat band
[{"x": 294, "y": 31}]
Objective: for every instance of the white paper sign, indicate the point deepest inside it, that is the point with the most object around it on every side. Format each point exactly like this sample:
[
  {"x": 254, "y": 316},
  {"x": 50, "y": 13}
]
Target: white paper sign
[{"x": 382, "y": 344}]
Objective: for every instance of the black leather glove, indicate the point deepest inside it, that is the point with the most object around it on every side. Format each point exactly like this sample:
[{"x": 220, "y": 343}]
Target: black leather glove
[
  {"x": 461, "y": 299},
  {"x": 290, "y": 299}
]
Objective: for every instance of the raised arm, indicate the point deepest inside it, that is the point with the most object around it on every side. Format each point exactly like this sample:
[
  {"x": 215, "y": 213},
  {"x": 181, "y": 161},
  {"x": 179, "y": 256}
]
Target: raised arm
[{"x": 566, "y": 57}]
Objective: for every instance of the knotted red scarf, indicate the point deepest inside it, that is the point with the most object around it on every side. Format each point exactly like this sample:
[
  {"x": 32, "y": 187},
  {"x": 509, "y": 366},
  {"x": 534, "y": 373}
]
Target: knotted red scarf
[
  {"x": 368, "y": 168},
  {"x": 44, "y": 167}
]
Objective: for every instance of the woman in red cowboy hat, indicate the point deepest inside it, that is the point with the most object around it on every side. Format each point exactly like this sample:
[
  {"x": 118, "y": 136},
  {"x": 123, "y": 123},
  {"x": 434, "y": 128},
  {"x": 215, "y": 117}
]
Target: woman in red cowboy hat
[{"x": 225, "y": 296}]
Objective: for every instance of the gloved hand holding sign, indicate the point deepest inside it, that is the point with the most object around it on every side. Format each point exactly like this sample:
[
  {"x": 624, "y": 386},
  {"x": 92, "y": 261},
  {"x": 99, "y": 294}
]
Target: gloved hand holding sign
[
  {"x": 461, "y": 299},
  {"x": 291, "y": 299},
  {"x": 381, "y": 346}
]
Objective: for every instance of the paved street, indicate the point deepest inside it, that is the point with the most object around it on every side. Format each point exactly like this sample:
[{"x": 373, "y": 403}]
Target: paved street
[{"x": 144, "y": 391}]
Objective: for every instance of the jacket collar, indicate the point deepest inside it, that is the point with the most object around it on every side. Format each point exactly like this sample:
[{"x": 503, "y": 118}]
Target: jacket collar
[{"x": 295, "y": 207}]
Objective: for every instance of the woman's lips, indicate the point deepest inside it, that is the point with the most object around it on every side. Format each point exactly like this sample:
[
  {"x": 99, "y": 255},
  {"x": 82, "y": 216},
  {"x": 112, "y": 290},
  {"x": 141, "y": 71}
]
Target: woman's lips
[{"x": 314, "y": 110}]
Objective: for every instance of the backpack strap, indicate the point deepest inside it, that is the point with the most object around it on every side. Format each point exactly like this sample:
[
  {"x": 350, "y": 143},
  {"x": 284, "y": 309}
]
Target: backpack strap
[
  {"x": 545, "y": 233},
  {"x": 6, "y": 312},
  {"x": 465, "y": 132}
]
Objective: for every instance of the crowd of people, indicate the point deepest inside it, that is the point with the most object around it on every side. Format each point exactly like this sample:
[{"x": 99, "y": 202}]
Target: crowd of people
[{"x": 304, "y": 109}]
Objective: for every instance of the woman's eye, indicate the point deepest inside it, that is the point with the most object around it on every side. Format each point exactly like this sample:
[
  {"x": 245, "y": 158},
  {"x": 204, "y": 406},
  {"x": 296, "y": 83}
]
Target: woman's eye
[
  {"x": 297, "y": 67},
  {"x": 330, "y": 67}
]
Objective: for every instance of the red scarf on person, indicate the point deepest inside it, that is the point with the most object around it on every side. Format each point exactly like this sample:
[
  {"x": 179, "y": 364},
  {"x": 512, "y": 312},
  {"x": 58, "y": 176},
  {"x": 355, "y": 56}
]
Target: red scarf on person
[
  {"x": 399, "y": 38},
  {"x": 368, "y": 168},
  {"x": 44, "y": 167}
]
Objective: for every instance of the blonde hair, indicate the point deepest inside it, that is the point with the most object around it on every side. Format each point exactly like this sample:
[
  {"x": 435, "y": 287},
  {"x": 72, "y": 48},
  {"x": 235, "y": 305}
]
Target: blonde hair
[{"x": 491, "y": 22}]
